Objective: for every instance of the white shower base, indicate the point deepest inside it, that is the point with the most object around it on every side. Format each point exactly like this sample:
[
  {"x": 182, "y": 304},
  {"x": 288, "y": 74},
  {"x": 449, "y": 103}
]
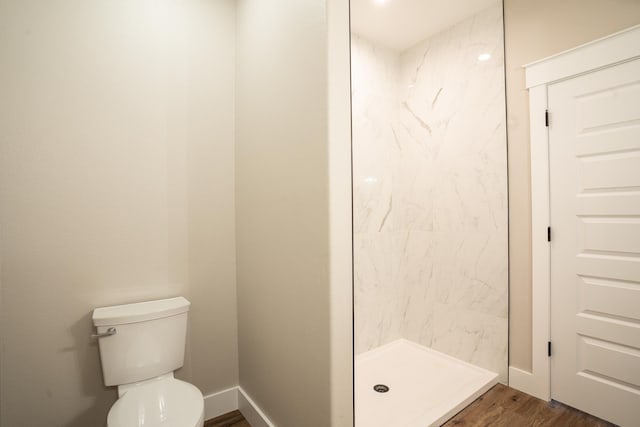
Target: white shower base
[{"x": 426, "y": 387}]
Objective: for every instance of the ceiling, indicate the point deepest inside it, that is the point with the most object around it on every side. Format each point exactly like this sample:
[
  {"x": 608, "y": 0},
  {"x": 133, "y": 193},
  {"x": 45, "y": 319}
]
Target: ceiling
[{"x": 400, "y": 24}]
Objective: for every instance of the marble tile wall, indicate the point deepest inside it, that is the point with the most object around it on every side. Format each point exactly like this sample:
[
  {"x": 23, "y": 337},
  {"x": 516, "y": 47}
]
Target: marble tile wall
[
  {"x": 375, "y": 80},
  {"x": 430, "y": 193}
]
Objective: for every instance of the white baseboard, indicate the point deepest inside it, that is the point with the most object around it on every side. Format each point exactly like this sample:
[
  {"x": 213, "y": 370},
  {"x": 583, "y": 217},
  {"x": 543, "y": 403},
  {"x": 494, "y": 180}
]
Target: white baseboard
[
  {"x": 220, "y": 403},
  {"x": 251, "y": 411},
  {"x": 527, "y": 383},
  {"x": 519, "y": 379},
  {"x": 225, "y": 401}
]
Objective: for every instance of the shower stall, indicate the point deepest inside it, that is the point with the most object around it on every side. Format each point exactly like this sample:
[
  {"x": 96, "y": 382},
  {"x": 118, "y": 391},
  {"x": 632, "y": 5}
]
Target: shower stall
[{"x": 430, "y": 208}]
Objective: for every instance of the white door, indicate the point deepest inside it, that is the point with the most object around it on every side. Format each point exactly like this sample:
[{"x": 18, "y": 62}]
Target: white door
[{"x": 594, "y": 149}]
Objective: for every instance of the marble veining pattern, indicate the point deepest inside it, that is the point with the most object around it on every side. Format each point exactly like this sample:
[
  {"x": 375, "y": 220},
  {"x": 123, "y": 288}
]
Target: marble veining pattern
[{"x": 430, "y": 193}]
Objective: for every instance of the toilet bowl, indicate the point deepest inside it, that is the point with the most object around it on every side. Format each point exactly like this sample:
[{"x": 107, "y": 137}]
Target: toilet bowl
[
  {"x": 158, "y": 402},
  {"x": 140, "y": 346}
]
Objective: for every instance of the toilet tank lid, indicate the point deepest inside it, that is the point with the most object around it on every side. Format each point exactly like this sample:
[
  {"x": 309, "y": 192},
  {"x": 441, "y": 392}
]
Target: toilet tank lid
[{"x": 139, "y": 312}]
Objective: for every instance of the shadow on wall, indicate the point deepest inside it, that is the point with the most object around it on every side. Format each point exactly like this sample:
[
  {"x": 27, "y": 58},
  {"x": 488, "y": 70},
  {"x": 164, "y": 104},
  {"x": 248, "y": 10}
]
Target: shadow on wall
[{"x": 92, "y": 386}]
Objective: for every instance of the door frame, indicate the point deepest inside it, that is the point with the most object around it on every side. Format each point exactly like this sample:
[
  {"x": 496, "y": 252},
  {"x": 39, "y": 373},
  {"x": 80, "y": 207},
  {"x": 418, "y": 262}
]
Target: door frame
[{"x": 608, "y": 51}]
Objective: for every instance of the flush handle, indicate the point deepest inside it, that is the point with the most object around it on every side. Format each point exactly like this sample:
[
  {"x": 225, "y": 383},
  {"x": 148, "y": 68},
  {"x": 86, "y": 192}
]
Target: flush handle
[{"x": 110, "y": 331}]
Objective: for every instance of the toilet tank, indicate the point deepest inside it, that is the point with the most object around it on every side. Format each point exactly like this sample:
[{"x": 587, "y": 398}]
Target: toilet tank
[{"x": 149, "y": 339}]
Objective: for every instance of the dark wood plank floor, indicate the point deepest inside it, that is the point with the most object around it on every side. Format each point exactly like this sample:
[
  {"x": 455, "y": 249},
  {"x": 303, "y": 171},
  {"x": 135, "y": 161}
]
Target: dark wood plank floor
[
  {"x": 501, "y": 406},
  {"x": 505, "y": 406},
  {"x": 232, "y": 419}
]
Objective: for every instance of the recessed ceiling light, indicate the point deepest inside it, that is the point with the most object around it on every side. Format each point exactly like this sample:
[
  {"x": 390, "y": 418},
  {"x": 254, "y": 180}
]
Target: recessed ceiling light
[
  {"x": 484, "y": 57},
  {"x": 380, "y": 1}
]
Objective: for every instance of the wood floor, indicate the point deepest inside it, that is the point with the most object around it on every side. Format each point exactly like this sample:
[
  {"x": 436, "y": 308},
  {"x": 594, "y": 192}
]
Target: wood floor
[
  {"x": 232, "y": 419},
  {"x": 505, "y": 406},
  {"x": 499, "y": 407}
]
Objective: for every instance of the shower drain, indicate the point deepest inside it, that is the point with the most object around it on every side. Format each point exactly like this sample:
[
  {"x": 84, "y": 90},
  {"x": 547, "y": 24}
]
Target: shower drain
[{"x": 381, "y": 388}]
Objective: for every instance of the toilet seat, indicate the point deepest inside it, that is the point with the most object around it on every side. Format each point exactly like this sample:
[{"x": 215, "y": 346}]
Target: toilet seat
[{"x": 166, "y": 402}]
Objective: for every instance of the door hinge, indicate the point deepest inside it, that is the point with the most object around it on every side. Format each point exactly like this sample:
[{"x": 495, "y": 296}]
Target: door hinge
[
  {"x": 546, "y": 118},
  {"x": 548, "y": 234},
  {"x": 549, "y": 349}
]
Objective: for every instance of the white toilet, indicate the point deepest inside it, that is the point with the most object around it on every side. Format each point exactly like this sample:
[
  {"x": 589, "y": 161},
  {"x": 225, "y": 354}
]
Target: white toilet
[{"x": 140, "y": 347}]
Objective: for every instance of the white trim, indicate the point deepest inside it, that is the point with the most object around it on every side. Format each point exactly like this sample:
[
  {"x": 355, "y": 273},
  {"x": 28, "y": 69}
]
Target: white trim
[
  {"x": 540, "y": 248},
  {"x": 524, "y": 381},
  {"x": 340, "y": 221},
  {"x": 608, "y": 51},
  {"x": 232, "y": 399},
  {"x": 251, "y": 411},
  {"x": 599, "y": 53},
  {"x": 220, "y": 403}
]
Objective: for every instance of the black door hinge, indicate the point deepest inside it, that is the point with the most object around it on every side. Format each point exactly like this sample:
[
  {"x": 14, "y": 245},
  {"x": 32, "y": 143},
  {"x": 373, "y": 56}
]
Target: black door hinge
[
  {"x": 546, "y": 118},
  {"x": 548, "y": 234},
  {"x": 549, "y": 349}
]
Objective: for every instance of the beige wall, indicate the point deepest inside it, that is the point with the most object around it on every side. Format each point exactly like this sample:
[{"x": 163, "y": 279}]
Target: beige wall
[
  {"x": 116, "y": 168},
  {"x": 534, "y": 30},
  {"x": 282, "y": 210}
]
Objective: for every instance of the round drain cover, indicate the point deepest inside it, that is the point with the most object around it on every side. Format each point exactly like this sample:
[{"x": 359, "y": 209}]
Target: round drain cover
[{"x": 381, "y": 388}]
